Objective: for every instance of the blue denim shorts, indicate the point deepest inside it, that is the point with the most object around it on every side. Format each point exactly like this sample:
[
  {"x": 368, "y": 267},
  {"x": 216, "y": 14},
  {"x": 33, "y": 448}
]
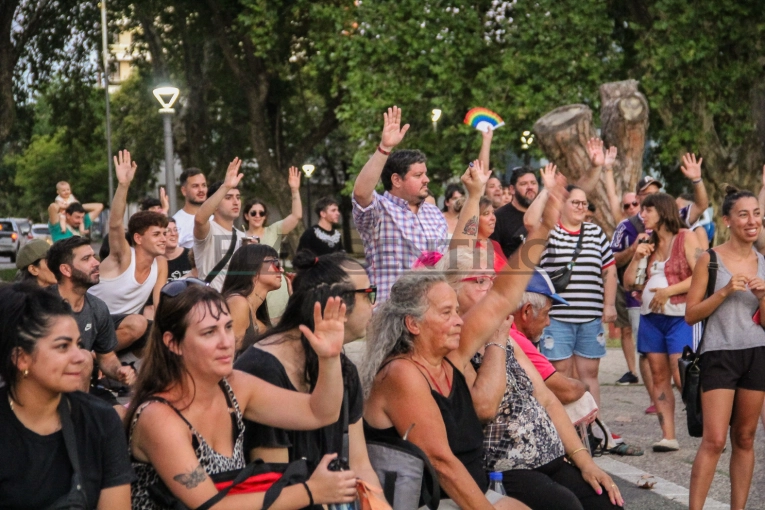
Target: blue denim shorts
[{"x": 561, "y": 340}]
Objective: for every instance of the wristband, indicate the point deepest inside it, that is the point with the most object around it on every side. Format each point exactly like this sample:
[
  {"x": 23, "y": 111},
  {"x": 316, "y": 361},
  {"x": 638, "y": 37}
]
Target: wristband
[
  {"x": 310, "y": 494},
  {"x": 381, "y": 151},
  {"x": 697, "y": 181},
  {"x": 571, "y": 455},
  {"x": 496, "y": 345}
]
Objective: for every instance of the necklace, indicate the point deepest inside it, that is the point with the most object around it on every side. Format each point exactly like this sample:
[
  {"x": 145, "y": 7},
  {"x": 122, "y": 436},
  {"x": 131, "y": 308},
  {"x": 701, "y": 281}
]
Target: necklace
[
  {"x": 259, "y": 296},
  {"x": 443, "y": 369}
]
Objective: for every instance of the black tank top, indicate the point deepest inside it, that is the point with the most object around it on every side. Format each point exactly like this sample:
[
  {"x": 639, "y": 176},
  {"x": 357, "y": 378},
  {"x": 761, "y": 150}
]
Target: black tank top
[{"x": 463, "y": 428}]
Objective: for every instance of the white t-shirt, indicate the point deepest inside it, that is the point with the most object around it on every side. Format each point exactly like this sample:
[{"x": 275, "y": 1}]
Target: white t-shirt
[
  {"x": 210, "y": 250},
  {"x": 185, "y": 224}
]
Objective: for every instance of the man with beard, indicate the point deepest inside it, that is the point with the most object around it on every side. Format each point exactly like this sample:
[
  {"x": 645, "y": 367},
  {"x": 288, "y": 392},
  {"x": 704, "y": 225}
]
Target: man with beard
[
  {"x": 398, "y": 226},
  {"x": 134, "y": 270},
  {"x": 194, "y": 190},
  {"x": 76, "y": 268},
  {"x": 323, "y": 238},
  {"x": 510, "y": 231}
]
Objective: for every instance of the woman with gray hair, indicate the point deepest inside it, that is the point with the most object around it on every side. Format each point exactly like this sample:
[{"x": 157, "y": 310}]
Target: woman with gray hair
[
  {"x": 529, "y": 433},
  {"x": 419, "y": 347}
]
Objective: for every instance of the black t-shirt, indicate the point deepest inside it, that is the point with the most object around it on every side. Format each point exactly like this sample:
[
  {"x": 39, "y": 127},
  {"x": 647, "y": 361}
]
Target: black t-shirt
[
  {"x": 37, "y": 470},
  {"x": 311, "y": 444},
  {"x": 179, "y": 267},
  {"x": 509, "y": 231},
  {"x": 320, "y": 241},
  {"x": 95, "y": 323}
]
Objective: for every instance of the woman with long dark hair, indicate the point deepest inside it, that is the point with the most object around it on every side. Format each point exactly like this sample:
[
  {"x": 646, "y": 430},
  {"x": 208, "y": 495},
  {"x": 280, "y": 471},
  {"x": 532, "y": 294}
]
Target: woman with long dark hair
[
  {"x": 452, "y": 194},
  {"x": 255, "y": 216},
  {"x": 663, "y": 332},
  {"x": 732, "y": 349},
  {"x": 254, "y": 271},
  {"x": 40, "y": 408},
  {"x": 285, "y": 357},
  {"x": 186, "y": 419}
]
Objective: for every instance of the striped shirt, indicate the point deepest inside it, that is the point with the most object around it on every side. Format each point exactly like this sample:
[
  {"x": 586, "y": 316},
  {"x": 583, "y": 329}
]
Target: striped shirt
[
  {"x": 394, "y": 237},
  {"x": 585, "y": 289}
]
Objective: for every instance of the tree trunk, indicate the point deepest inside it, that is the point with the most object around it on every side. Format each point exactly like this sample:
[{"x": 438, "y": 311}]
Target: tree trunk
[
  {"x": 624, "y": 122},
  {"x": 8, "y": 59}
]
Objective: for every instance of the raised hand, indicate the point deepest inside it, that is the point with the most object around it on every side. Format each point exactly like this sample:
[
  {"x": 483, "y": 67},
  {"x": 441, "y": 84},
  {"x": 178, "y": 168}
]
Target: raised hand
[
  {"x": 164, "y": 200},
  {"x": 557, "y": 196},
  {"x": 487, "y": 135},
  {"x": 763, "y": 175},
  {"x": 329, "y": 331},
  {"x": 232, "y": 174},
  {"x": 124, "y": 167},
  {"x": 294, "y": 179},
  {"x": 610, "y": 157},
  {"x": 392, "y": 133},
  {"x": 475, "y": 178},
  {"x": 548, "y": 175},
  {"x": 691, "y": 168},
  {"x": 595, "y": 151}
]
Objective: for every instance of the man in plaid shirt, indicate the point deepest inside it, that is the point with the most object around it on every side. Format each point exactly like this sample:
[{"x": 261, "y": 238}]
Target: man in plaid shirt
[{"x": 397, "y": 226}]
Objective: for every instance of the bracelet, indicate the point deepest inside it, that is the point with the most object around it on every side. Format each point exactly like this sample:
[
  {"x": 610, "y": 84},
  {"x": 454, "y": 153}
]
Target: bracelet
[
  {"x": 310, "y": 494},
  {"x": 496, "y": 345},
  {"x": 570, "y": 455},
  {"x": 697, "y": 181},
  {"x": 381, "y": 151}
]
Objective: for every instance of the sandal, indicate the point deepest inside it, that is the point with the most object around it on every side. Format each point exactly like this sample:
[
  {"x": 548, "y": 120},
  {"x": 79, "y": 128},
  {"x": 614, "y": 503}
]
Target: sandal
[{"x": 626, "y": 449}]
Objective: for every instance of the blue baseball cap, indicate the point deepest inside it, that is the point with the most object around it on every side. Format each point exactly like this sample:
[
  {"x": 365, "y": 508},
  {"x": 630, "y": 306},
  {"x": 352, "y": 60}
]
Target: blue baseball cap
[{"x": 541, "y": 284}]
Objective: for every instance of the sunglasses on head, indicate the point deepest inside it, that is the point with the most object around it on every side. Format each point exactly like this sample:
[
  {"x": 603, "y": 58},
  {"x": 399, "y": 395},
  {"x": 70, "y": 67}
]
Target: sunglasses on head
[
  {"x": 371, "y": 293},
  {"x": 259, "y": 214},
  {"x": 175, "y": 287},
  {"x": 634, "y": 203}
]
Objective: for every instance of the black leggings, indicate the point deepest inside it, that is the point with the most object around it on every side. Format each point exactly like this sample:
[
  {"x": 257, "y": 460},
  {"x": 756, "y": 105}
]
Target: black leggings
[{"x": 557, "y": 485}]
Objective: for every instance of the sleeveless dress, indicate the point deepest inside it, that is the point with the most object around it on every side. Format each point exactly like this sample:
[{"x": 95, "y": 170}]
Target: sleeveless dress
[
  {"x": 463, "y": 428},
  {"x": 212, "y": 461}
]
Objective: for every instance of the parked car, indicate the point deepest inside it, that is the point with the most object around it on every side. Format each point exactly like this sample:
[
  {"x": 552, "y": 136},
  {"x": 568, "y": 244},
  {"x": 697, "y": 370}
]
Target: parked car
[
  {"x": 41, "y": 231},
  {"x": 13, "y": 235}
]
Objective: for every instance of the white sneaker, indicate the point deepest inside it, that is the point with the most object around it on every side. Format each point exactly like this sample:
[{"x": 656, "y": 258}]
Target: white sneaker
[{"x": 666, "y": 445}]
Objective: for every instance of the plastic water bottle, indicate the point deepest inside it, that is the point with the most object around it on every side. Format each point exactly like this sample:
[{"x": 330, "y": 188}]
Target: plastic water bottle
[{"x": 495, "y": 482}]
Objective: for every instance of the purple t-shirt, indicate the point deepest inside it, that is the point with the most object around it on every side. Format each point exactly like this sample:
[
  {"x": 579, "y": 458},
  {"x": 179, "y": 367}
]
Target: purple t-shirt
[{"x": 626, "y": 234}]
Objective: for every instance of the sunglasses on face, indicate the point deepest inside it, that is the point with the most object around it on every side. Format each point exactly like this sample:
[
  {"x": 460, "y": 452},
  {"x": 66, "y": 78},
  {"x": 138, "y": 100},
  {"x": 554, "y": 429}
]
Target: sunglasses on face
[
  {"x": 634, "y": 203},
  {"x": 175, "y": 287},
  {"x": 276, "y": 263},
  {"x": 371, "y": 293},
  {"x": 259, "y": 214}
]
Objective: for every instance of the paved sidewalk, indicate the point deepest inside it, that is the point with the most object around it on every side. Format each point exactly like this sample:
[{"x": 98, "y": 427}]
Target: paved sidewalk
[{"x": 623, "y": 409}]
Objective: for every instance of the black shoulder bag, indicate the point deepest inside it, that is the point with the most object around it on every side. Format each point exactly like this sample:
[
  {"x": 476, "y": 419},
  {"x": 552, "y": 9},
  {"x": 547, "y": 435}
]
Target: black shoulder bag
[
  {"x": 688, "y": 363},
  {"x": 561, "y": 277},
  {"x": 75, "y": 499},
  {"x": 222, "y": 262}
]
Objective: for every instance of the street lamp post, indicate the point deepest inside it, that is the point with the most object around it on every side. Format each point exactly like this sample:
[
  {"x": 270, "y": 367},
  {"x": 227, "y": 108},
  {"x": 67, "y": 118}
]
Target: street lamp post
[
  {"x": 308, "y": 172},
  {"x": 105, "y": 48},
  {"x": 435, "y": 115},
  {"x": 167, "y": 96}
]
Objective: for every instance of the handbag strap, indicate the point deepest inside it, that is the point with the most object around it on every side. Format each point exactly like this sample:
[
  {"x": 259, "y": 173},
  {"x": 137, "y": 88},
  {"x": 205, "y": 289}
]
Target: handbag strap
[
  {"x": 67, "y": 429},
  {"x": 579, "y": 245},
  {"x": 711, "y": 282},
  {"x": 222, "y": 262},
  {"x": 345, "y": 454}
]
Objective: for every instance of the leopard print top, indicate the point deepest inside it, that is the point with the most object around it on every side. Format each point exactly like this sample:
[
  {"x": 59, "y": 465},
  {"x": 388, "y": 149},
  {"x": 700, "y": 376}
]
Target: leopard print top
[{"x": 212, "y": 461}]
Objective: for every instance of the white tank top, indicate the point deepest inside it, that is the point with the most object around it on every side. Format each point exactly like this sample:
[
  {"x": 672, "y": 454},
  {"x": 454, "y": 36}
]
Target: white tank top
[{"x": 123, "y": 294}]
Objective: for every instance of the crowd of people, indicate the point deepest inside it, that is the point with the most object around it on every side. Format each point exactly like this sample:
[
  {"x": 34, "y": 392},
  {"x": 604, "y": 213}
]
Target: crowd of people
[{"x": 183, "y": 355}]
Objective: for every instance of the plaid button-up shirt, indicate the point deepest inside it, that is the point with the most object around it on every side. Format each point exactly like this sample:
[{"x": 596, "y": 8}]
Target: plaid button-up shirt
[{"x": 394, "y": 237}]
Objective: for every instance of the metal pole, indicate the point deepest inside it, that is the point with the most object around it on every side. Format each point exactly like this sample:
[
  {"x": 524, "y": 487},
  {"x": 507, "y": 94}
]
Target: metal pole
[
  {"x": 308, "y": 203},
  {"x": 104, "y": 43},
  {"x": 169, "y": 162}
]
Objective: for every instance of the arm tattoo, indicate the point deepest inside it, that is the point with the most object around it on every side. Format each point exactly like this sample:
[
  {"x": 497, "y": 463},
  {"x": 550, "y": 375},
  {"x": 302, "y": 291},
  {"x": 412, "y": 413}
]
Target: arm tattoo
[
  {"x": 471, "y": 227},
  {"x": 192, "y": 479},
  {"x": 698, "y": 253}
]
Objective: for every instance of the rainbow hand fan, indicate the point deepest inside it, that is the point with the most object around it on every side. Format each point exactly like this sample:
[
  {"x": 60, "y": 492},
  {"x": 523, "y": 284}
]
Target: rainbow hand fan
[{"x": 483, "y": 119}]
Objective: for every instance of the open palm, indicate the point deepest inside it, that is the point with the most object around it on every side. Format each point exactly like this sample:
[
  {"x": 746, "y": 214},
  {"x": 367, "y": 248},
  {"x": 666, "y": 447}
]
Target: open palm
[
  {"x": 392, "y": 133},
  {"x": 124, "y": 167},
  {"x": 294, "y": 179},
  {"x": 329, "y": 331}
]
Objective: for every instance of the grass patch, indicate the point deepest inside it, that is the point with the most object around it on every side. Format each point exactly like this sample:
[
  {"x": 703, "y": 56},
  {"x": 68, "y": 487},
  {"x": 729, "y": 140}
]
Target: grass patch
[{"x": 7, "y": 275}]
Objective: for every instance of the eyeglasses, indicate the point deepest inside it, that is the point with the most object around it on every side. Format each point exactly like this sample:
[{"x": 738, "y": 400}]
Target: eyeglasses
[
  {"x": 259, "y": 214},
  {"x": 634, "y": 203},
  {"x": 175, "y": 287},
  {"x": 483, "y": 281},
  {"x": 274, "y": 262},
  {"x": 371, "y": 293},
  {"x": 579, "y": 203}
]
